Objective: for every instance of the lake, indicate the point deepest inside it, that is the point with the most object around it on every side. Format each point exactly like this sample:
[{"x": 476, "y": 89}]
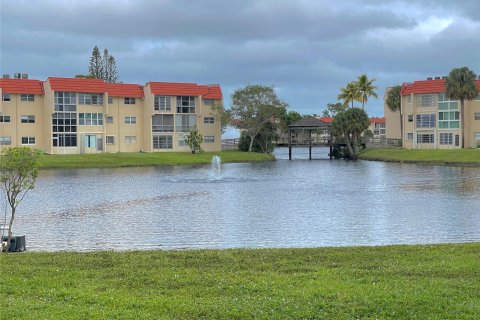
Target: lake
[{"x": 298, "y": 203}]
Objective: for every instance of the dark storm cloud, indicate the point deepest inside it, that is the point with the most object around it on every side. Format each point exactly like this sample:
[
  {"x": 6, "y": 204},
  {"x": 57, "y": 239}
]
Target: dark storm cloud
[{"x": 307, "y": 49}]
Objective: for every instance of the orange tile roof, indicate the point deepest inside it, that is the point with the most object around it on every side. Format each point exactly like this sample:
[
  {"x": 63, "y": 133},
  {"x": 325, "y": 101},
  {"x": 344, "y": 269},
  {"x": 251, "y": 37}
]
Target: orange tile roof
[
  {"x": 326, "y": 119},
  {"x": 377, "y": 120},
  {"x": 77, "y": 85},
  {"x": 21, "y": 86},
  {"x": 186, "y": 89},
  {"x": 426, "y": 86},
  {"x": 124, "y": 90}
]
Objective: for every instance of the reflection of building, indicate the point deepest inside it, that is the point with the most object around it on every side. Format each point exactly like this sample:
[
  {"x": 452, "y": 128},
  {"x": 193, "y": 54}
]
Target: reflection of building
[
  {"x": 70, "y": 115},
  {"x": 431, "y": 120}
]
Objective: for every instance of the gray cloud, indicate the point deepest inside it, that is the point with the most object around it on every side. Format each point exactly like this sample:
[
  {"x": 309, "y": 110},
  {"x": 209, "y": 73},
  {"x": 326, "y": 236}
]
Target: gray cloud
[{"x": 307, "y": 49}]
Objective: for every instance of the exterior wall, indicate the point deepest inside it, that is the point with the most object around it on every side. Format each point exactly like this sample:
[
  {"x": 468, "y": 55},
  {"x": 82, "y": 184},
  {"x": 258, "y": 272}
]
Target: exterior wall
[
  {"x": 209, "y": 129},
  {"x": 407, "y": 120},
  {"x": 148, "y": 112},
  {"x": 392, "y": 121},
  {"x": 129, "y": 130},
  {"x": 48, "y": 110},
  {"x": 15, "y": 108},
  {"x": 472, "y": 126}
]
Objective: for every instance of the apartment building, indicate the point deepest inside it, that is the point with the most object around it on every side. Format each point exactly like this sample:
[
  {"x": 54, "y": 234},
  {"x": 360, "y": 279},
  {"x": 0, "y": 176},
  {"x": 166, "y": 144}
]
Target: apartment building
[
  {"x": 71, "y": 116},
  {"x": 378, "y": 127},
  {"x": 431, "y": 120}
]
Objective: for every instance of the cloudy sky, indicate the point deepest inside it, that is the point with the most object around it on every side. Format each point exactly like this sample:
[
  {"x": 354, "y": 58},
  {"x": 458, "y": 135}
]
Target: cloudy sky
[{"x": 307, "y": 49}]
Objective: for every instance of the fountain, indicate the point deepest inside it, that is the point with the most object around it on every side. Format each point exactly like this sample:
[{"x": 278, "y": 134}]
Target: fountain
[{"x": 216, "y": 173}]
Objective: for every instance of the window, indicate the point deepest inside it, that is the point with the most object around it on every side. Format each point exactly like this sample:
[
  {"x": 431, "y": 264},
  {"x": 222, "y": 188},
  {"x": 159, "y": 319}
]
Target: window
[
  {"x": 209, "y": 139},
  {"x": 184, "y": 123},
  {"x": 27, "y": 119},
  {"x": 410, "y": 136},
  {"x": 477, "y": 115},
  {"x": 27, "y": 97},
  {"x": 426, "y": 120},
  {"x": 130, "y": 120},
  {"x": 130, "y": 139},
  {"x": 379, "y": 129},
  {"x": 6, "y": 97},
  {"x": 162, "y": 103},
  {"x": 64, "y": 139},
  {"x": 410, "y": 118},
  {"x": 109, "y": 119},
  {"x": 477, "y": 136},
  {"x": 162, "y": 142},
  {"x": 409, "y": 99},
  {"x": 64, "y": 128},
  {"x": 208, "y": 120},
  {"x": 426, "y": 100},
  {"x": 446, "y": 138},
  {"x": 110, "y": 139},
  {"x": 65, "y": 101},
  {"x": 5, "y": 141},
  {"x": 162, "y": 123},
  {"x": 4, "y": 119},
  {"x": 425, "y": 138},
  {"x": 90, "y": 119},
  {"x": 28, "y": 140},
  {"x": 208, "y": 102},
  {"x": 448, "y": 120},
  {"x": 185, "y": 104},
  {"x": 128, "y": 100},
  {"x": 110, "y": 100},
  {"x": 90, "y": 98},
  {"x": 182, "y": 142}
]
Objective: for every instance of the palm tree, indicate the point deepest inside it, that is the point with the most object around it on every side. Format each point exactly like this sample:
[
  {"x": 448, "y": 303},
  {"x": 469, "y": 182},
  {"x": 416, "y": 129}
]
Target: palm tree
[
  {"x": 366, "y": 88},
  {"x": 460, "y": 85},
  {"x": 394, "y": 103},
  {"x": 349, "y": 94}
]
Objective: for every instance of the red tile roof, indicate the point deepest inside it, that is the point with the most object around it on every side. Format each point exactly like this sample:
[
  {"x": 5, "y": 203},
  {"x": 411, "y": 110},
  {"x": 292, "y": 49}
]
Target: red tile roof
[
  {"x": 21, "y": 86},
  {"x": 77, "y": 85},
  {"x": 377, "y": 120},
  {"x": 426, "y": 86},
  {"x": 186, "y": 89},
  {"x": 124, "y": 90},
  {"x": 326, "y": 119}
]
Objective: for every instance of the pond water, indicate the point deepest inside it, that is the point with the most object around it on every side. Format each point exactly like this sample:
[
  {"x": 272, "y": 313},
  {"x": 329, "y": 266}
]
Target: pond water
[{"x": 282, "y": 203}]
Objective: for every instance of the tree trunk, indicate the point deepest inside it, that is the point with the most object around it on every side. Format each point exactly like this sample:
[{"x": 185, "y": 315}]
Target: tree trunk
[
  {"x": 10, "y": 233},
  {"x": 462, "y": 121},
  {"x": 251, "y": 144},
  {"x": 349, "y": 145}
]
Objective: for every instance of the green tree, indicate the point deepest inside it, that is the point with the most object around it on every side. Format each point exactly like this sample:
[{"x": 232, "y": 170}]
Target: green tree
[
  {"x": 332, "y": 109},
  {"x": 460, "y": 85},
  {"x": 349, "y": 94},
  {"x": 365, "y": 89},
  {"x": 103, "y": 67},
  {"x": 255, "y": 106},
  {"x": 18, "y": 171},
  {"x": 349, "y": 125},
  {"x": 394, "y": 103},
  {"x": 110, "y": 73},
  {"x": 194, "y": 140},
  {"x": 288, "y": 118},
  {"x": 222, "y": 115},
  {"x": 95, "y": 69}
]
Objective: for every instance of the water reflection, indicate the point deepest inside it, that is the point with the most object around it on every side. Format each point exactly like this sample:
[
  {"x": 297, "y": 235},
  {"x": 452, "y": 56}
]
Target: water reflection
[{"x": 297, "y": 203}]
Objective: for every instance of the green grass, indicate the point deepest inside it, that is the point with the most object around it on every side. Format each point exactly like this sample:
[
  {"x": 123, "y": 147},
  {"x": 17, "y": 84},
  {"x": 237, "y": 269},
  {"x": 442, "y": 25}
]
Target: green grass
[
  {"x": 391, "y": 282},
  {"x": 110, "y": 160},
  {"x": 441, "y": 157}
]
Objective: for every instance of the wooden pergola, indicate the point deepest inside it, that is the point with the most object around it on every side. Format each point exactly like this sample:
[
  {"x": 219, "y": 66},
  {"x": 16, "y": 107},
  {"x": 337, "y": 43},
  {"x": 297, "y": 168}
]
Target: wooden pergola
[{"x": 308, "y": 124}]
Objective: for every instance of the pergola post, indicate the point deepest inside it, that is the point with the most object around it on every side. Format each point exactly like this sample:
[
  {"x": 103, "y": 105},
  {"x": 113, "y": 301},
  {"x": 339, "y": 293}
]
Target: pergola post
[
  {"x": 310, "y": 144},
  {"x": 289, "y": 144}
]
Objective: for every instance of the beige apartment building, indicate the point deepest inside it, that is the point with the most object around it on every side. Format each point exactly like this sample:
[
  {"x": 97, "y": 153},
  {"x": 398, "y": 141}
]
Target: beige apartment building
[
  {"x": 431, "y": 120},
  {"x": 72, "y": 116}
]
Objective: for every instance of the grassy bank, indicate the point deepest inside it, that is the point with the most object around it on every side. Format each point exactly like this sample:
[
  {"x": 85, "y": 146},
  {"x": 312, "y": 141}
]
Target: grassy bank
[
  {"x": 396, "y": 282},
  {"x": 145, "y": 159},
  {"x": 469, "y": 157}
]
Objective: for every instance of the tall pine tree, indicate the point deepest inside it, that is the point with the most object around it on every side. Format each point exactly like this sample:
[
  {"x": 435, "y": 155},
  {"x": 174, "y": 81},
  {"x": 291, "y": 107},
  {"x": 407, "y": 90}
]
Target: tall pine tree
[{"x": 103, "y": 67}]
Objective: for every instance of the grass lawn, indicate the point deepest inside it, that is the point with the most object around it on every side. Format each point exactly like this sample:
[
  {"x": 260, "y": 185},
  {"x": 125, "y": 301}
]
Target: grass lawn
[
  {"x": 442, "y": 157},
  {"x": 391, "y": 282},
  {"x": 145, "y": 159}
]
